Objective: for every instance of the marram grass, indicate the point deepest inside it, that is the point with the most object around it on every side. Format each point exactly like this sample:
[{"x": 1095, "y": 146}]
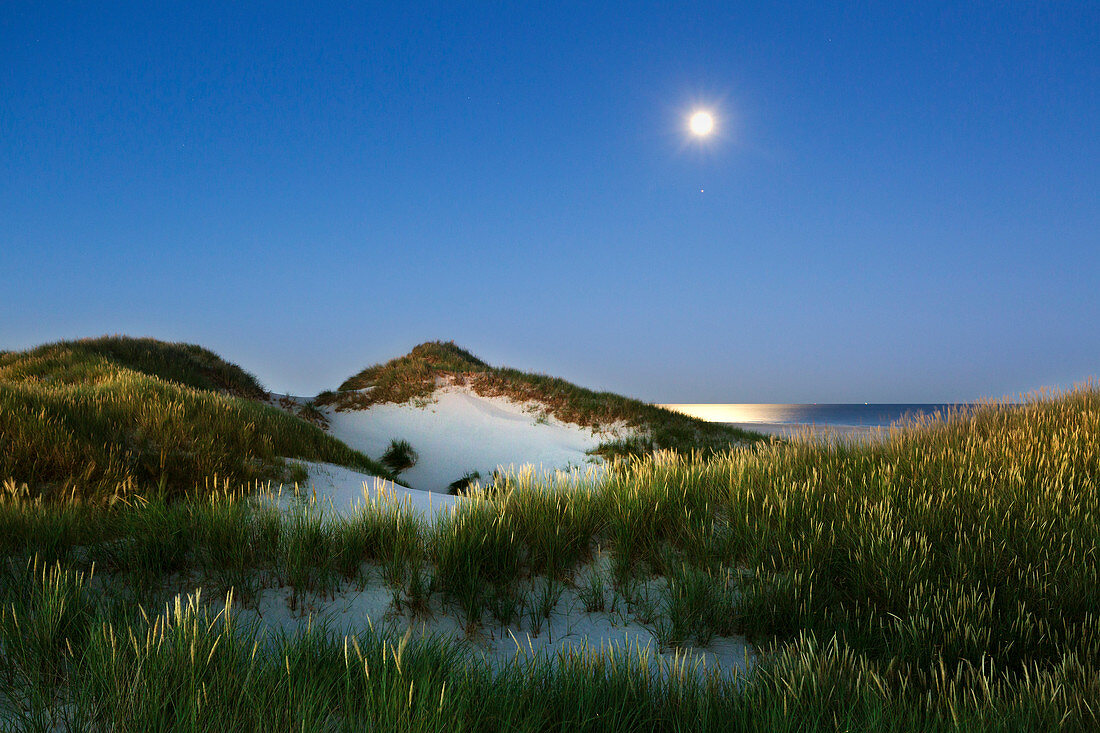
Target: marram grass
[
  {"x": 943, "y": 578},
  {"x": 113, "y": 417},
  {"x": 72, "y": 662}
]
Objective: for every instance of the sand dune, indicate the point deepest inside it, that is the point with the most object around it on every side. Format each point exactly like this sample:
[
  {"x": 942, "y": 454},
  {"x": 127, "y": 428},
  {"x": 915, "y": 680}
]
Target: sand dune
[
  {"x": 460, "y": 431},
  {"x": 456, "y": 432}
]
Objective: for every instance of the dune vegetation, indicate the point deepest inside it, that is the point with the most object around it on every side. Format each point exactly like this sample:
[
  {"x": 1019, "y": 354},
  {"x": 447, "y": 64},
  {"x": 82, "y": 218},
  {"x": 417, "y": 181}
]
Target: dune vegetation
[
  {"x": 416, "y": 376},
  {"x": 114, "y": 416},
  {"x": 944, "y": 577}
]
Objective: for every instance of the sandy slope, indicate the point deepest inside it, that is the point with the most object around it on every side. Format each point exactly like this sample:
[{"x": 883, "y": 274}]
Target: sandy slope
[
  {"x": 617, "y": 629},
  {"x": 340, "y": 491},
  {"x": 457, "y": 432},
  {"x": 460, "y": 431}
]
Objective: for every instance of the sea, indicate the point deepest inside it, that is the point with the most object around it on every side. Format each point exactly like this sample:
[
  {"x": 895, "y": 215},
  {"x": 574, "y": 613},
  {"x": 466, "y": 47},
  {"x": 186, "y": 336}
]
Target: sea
[{"x": 791, "y": 418}]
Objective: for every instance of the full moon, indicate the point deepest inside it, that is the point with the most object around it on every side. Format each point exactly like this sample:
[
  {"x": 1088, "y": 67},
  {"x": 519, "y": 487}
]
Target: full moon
[{"x": 701, "y": 124}]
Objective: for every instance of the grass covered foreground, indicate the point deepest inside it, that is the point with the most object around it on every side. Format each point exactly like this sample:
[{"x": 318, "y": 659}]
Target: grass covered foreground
[
  {"x": 416, "y": 376},
  {"x": 945, "y": 578},
  {"x": 112, "y": 415}
]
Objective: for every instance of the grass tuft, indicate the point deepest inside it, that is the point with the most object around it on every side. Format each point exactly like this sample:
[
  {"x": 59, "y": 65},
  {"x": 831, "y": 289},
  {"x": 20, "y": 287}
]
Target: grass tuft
[{"x": 399, "y": 456}]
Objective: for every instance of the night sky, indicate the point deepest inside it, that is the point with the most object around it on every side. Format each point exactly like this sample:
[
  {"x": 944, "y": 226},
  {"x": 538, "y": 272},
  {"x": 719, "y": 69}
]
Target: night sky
[{"x": 895, "y": 205}]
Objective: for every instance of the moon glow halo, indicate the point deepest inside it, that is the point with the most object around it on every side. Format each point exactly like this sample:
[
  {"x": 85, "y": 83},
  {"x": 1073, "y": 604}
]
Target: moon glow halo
[{"x": 701, "y": 123}]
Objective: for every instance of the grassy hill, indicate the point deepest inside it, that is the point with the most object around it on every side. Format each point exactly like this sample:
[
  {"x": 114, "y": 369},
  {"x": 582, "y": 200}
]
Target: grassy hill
[
  {"x": 98, "y": 416},
  {"x": 77, "y": 362},
  {"x": 417, "y": 374}
]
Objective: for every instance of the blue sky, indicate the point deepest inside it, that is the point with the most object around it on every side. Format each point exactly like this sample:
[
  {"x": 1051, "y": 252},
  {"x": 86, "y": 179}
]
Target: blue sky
[{"x": 899, "y": 205}]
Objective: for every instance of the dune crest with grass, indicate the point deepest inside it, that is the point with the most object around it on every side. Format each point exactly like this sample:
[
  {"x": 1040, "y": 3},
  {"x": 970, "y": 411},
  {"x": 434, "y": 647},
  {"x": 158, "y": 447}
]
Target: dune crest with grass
[{"x": 468, "y": 420}]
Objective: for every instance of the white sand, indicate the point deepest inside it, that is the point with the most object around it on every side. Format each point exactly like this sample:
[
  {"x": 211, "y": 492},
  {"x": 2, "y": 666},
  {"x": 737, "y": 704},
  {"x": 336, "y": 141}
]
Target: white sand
[
  {"x": 340, "y": 491},
  {"x": 460, "y": 431},
  {"x": 569, "y": 628}
]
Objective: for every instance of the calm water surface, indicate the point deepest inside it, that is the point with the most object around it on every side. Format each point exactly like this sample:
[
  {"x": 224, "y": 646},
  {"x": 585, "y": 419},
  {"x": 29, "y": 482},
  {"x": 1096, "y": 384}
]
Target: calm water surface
[{"x": 823, "y": 415}]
